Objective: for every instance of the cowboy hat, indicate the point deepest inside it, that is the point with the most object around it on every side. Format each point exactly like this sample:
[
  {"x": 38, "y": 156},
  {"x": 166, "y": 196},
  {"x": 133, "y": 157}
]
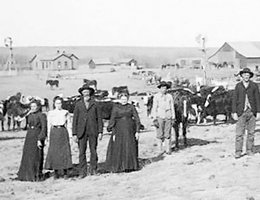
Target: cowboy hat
[
  {"x": 164, "y": 84},
  {"x": 86, "y": 87},
  {"x": 246, "y": 70}
]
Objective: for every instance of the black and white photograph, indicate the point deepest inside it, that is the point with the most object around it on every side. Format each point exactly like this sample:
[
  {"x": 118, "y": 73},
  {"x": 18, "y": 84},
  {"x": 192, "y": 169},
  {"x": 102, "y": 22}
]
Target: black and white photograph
[{"x": 129, "y": 100}]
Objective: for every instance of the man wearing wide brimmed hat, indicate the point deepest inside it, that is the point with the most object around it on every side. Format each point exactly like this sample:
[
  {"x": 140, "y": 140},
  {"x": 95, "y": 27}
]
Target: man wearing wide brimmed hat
[
  {"x": 163, "y": 114},
  {"x": 245, "y": 109},
  {"x": 87, "y": 126}
]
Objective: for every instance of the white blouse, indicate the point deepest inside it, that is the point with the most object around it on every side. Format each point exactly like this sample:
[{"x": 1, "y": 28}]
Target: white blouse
[{"x": 57, "y": 118}]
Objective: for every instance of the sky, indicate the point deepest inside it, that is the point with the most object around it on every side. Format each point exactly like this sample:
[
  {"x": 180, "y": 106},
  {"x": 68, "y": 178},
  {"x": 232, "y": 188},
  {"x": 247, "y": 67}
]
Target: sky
[{"x": 166, "y": 23}]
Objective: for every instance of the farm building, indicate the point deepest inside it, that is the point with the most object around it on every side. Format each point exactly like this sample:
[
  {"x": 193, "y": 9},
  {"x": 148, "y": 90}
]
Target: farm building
[
  {"x": 93, "y": 63},
  {"x": 58, "y": 61},
  {"x": 237, "y": 55},
  {"x": 192, "y": 62},
  {"x": 127, "y": 62}
]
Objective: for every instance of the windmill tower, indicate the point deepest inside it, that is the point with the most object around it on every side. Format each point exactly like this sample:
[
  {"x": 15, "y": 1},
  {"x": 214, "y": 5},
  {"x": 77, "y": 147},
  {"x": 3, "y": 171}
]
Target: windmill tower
[
  {"x": 10, "y": 61},
  {"x": 201, "y": 40}
]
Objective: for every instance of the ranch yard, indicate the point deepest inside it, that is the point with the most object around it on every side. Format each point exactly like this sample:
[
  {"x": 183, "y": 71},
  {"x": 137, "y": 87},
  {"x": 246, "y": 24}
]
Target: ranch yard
[{"x": 205, "y": 170}]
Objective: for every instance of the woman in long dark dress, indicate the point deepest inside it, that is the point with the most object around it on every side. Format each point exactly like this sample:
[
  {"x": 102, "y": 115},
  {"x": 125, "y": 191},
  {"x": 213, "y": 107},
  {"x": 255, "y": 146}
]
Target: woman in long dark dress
[
  {"x": 32, "y": 159},
  {"x": 59, "y": 152},
  {"x": 122, "y": 152}
]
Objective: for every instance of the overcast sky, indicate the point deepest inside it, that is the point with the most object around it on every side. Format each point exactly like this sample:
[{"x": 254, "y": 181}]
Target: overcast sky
[{"x": 128, "y": 22}]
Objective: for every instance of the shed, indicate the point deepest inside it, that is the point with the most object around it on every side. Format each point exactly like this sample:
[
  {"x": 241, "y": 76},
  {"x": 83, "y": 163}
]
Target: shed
[
  {"x": 127, "y": 62},
  {"x": 93, "y": 63}
]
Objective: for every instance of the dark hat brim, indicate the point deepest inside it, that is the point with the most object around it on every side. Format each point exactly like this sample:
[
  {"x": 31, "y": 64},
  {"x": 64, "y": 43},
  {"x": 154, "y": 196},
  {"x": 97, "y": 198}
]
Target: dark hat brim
[
  {"x": 249, "y": 72},
  {"x": 92, "y": 91}
]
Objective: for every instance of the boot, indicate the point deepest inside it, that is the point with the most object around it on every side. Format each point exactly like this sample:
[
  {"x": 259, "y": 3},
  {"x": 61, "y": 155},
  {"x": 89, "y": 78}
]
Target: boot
[
  {"x": 161, "y": 146},
  {"x": 168, "y": 146},
  {"x": 56, "y": 174}
]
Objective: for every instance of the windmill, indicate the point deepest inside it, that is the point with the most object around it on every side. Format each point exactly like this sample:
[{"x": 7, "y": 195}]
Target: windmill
[
  {"x": 10, "y": 61},
  {"x": 201, "y": 40}
]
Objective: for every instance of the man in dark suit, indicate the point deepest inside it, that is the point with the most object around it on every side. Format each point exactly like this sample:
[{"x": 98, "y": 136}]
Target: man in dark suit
[
  {"x": 87, "y": 126},
  {"x": 245, "y": 109}
]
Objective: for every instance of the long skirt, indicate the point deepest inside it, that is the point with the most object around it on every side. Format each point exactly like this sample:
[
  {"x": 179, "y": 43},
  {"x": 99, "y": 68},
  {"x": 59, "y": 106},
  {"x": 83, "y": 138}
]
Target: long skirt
[
  {"x": 32, "y": 158},
  {"x": 122, "y": 153},
  {"x": 59, "y": 152}
]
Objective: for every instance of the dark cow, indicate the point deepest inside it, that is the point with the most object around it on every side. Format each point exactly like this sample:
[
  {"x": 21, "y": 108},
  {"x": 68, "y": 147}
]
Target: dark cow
[
  {"x": 182, "y": 106},
  {"x": 101, "y": 94},
  {"x": 90, "y": 83},
  {"x": 217, "y": 104},
  {"x": 52, "y": 83},
  {"x": 3, "y": 110}
]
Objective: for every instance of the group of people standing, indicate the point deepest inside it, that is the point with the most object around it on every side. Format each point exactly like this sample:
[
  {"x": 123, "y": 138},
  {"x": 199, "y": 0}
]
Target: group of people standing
[
  {"x": 122, "y": 151},
  {"x": 87, "y": 128}
]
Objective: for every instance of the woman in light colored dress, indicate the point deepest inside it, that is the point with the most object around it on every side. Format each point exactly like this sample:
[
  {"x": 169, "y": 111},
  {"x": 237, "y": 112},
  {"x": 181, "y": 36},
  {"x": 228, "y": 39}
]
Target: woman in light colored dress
[{"x": 59, "y": 152}]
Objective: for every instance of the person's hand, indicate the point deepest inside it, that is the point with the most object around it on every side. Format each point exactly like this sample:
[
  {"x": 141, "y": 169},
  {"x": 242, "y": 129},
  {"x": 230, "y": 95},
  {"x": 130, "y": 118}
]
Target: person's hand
[
  {"x": 156, "y": 123},
  {"x": 234, "y": 115},
  {"x": 39, "y": 144},
  {"x": 75, "y": 139},
  {"x": 258, "y": 116},
  {"x": 137, "y": 136},
  {"x": 100, "y": 136}
]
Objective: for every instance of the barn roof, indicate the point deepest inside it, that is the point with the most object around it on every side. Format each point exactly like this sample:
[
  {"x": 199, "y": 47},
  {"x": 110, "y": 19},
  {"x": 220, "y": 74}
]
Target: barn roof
[
  {"x": 246, "y": 49},
  {"x": 101, "y": 61},
  {"x": 126, "y": 60}
]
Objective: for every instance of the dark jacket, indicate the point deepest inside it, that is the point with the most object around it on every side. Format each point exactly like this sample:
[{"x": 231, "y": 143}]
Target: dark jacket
[
  {"x": 89, "y": 119},
  {"x": 38, "y": 122},
  {"x": 238, "y": 103}
]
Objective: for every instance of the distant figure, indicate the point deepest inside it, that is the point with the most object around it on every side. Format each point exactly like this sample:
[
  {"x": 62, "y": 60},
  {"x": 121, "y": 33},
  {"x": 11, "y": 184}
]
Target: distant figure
[
  {"x": 59, "y": 153},
  {"x": 87, "y": 126},
  {"x": 122, "y": 152},
  {"x": 32, "y": 158},
  {"x": 245, "y": 108},
  {"x": 163, "y": 115}
]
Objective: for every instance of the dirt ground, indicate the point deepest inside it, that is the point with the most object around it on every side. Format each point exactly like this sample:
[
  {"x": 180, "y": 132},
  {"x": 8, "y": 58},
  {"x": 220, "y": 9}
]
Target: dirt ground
[{"x": 205, "y": 170}]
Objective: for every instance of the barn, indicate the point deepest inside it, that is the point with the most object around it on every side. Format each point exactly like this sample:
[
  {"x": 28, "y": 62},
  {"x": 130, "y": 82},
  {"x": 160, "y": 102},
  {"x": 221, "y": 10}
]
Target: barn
[
  {"x": 237, "y": 55},
  {"x": 58, "y": 61},
  {"x": 94, "y": 63}
]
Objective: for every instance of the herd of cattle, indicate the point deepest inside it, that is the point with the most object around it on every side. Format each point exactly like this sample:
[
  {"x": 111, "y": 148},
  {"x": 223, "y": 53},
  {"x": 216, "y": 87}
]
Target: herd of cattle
[{"x": 189, "y": 105}]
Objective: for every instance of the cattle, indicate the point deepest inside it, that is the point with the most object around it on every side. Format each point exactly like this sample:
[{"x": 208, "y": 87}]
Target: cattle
[
  {"x": 101, "y": 94},
  {"x": 15, "y": 111},
  {"x": 90, "y": 83},
  {"x": 217, "y": 104},
  {"x": 153, "y": 80},
  {"x": 182, "y": 106},
  {"x": 52, "y": 83},
  {"x": 105, "y": 105},
  {"x": 3, "y": 111}
]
